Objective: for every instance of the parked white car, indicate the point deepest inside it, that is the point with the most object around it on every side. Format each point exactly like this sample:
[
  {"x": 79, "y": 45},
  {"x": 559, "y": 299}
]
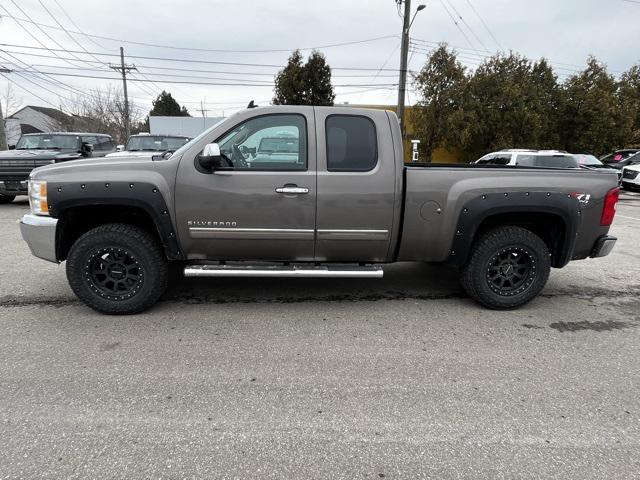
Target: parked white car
[
  {"x": 631, "y": 177},
  {"x": 531, "y": 158}
]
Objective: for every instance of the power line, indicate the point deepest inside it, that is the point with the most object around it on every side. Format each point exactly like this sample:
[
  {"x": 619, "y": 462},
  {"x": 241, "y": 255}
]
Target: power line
[
  {"x": 89, "y": 37},
  {"x": 67, "y": 32},
  {"x": 184, "y": 60},
  {"x": 243, "y": 84},
  {"x": 484, "y": 24},
  {"x": 29, "y": 91},
  {"x": 39, "y": 28},
  {"x": 453, "y": 19},
  {"x": 198, "y": 49},
  {"x": 218, "y": 72},
  {"x": 50, "y": 80},
  {"x": 455, "y": 10}
]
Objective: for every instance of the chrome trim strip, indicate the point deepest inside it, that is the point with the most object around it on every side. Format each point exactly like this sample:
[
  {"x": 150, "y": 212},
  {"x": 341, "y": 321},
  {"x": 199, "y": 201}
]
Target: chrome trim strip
[
  {"x": 252, "y": 233},
  {"x": 367, "y": 235},
  {"x": 293, "y": 190},
  {"x": 269, "y": 272}
]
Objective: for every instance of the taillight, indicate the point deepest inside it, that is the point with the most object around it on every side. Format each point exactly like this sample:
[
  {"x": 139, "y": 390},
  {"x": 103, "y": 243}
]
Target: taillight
[{"x": 609, "y": 210}]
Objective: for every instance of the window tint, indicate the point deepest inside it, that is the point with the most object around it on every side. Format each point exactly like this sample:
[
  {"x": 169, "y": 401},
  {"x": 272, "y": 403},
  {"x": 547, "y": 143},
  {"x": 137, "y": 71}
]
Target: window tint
[
  {"x": 549, "y": 161},
  {"x": 90, "y": 139},
  {"x": 351, "y": 144},
  {"x": 496, "y": 159},
  {"x": 46, "y": 141},
  {"x": 269, "y": 142},
  {"x": 103, "y": 144}
]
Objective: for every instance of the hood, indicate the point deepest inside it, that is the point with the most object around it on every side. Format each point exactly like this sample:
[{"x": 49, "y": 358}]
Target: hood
[
  {"x": 91, "y": 166},
  {"x": 22, "y": 155},
  {"x": 635, "y": 168}
]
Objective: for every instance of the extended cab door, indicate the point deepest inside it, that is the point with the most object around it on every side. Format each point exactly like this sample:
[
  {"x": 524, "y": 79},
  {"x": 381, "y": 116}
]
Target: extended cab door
[
  {"x": 262, "y": 204},
  {"x": 359, "y": 185}
]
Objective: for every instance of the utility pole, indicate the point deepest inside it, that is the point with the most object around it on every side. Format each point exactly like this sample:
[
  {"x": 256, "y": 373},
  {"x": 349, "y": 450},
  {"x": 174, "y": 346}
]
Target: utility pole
[
  {"x": 124, "y": 69},
  {"x": 3, "y": 133},
  {"x": 404, "y": 54}
]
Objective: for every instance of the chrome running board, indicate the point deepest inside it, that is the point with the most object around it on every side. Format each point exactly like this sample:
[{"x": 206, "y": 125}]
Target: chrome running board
[{"x": 324, "y": 271}]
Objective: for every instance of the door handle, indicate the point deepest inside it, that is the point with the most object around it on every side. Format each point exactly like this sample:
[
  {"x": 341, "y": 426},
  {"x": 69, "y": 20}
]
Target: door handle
[{"x": 292, "y": 190}]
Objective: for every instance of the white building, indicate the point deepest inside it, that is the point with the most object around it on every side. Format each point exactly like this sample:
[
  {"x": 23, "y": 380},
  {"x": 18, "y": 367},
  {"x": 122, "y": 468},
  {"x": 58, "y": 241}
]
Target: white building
[{"x": 187, "y": 126}]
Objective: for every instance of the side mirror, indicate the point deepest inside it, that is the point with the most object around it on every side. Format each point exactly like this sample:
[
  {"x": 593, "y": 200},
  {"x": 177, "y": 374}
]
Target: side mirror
[
  {"x": 86, "y": 148},
  {"x": 210, "y": 157},
  {"x": 12, "y": 147},
  {"x": 119, "y": 148}
]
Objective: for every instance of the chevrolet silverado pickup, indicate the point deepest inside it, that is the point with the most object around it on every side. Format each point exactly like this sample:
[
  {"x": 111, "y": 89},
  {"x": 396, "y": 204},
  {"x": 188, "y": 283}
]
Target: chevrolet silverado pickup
[
  {"x": 38, "y": 149},
  {"x": 297, "y": 191}
]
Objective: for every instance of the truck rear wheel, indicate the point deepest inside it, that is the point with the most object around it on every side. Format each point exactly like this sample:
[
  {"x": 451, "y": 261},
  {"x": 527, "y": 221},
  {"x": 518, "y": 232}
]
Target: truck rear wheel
[
  {"x": 508, "y": 267},
  {"x": 6, "y": 198},
  {"x": 117, "y": 269}
]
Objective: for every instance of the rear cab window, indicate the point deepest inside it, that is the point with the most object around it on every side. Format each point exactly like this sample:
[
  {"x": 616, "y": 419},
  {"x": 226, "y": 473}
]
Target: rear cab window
[{"x": 352, "y": 143}]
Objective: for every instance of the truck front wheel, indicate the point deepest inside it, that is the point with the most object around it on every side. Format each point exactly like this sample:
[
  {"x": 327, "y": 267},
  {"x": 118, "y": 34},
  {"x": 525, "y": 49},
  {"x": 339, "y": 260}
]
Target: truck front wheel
[
  {"x": 507, "y": 267},
  {"x": 117, "y": 269},
  {"x": 6, "y": 198}
]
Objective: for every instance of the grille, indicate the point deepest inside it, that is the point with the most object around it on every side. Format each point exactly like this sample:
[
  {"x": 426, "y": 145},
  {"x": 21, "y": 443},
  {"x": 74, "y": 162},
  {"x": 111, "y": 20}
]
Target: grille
[{"x": 630, "y": 174}]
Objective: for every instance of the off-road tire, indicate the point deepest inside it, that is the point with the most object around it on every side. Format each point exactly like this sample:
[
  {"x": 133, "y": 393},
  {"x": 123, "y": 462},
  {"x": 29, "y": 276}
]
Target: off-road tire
[
  {"x": 481, "y": 276},
  {"x": 143, "y": 256},
  {"x": 6, "y": 198}
]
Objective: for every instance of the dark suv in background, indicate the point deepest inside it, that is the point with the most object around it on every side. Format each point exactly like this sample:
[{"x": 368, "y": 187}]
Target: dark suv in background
[
  {"x": 621, "y": 158},
  {"x": 38, "y": 149}
]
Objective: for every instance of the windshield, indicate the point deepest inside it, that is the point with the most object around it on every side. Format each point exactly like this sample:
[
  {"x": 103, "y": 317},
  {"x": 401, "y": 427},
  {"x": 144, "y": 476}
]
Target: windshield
[
  {"x": 548, "y": 161},
  {"x": 155, "y": 143},
  {"x": 588, "y": 160},
  {"x": 48, "y": 142}
]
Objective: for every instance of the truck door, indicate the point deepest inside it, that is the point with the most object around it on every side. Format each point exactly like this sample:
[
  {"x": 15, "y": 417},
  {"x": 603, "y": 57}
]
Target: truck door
[
  {"x": 357, "y": 185},
  {"x": 262, "y": 205}
]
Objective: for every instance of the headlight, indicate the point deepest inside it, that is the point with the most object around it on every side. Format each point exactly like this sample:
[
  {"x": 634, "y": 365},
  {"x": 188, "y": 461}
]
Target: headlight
[{"x": 38, "y": 197}]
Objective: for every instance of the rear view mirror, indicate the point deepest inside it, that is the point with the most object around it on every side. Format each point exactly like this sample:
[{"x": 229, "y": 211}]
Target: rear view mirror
[
  {"x": 210, "y": 157},
  {"x": 119, "y": 148}
]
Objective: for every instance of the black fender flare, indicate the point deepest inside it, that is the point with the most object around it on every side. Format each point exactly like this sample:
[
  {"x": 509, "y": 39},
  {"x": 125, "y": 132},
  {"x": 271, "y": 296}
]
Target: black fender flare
[
  {"x": 64, "y": 195},
  {"x": 477, "y": 210}
]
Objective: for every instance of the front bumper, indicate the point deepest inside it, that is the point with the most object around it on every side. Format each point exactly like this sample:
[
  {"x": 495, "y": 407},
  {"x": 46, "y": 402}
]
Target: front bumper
[
  {"x": 14, "y": 187},
  {"x": 40, "y": 234},
  {"x": 603, "y": 246}
]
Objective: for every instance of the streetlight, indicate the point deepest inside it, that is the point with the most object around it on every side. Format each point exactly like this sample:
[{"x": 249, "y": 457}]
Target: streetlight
[{"x": 402, "y": 84}]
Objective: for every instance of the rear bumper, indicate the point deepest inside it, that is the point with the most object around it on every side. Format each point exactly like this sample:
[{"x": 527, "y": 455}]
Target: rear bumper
[
  {"x": 603, "y": 246},
  {"x": 14, "y": 187},
  {"x": 40, "y": 234}
]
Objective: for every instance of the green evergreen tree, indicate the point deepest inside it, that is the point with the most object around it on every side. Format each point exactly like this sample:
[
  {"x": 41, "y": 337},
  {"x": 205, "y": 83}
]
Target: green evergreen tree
[
  {"x": 304, "y": 84},
  {"x": 166, "y": 106},
  {"x": 437, "y": 115},
  {"x": 591, "y": 116}
]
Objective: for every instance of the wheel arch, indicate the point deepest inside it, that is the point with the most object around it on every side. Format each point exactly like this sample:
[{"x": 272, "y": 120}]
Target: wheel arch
[
  {"x": 82, "y": 207},
  {"x": 554, "y": 217}
]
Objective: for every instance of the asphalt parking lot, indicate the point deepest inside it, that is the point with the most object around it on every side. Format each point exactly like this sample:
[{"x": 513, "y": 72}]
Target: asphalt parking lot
[{"x": 396, "y": 378}]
